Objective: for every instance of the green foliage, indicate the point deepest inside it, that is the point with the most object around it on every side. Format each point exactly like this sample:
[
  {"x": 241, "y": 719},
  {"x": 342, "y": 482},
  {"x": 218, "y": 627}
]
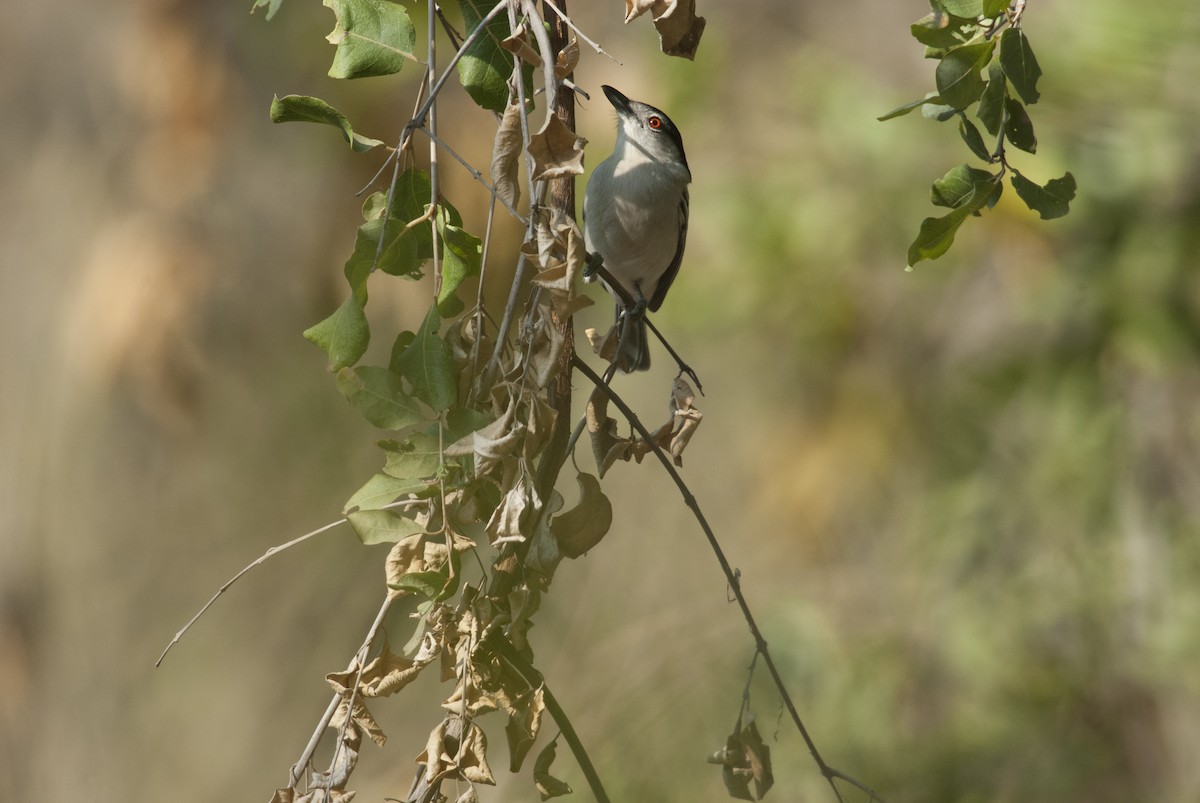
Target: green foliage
[
  {"x": 960, "y": 35},
  {"x": 373, "y": 37},
  {"x": 344, "y": 335},
  {"x": 428, "y": 365},
  {"x": 301, "y": 108},
  {"x": 485, "y": 67}
]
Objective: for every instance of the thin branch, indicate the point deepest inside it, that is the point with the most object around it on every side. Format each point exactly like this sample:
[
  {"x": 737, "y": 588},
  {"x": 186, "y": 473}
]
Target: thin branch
[
  {"x": 579, "y": 33},
  {"x": 275, "y": 550},
  {"x": 731, "y": 577},
  {"x": 475, "y": 174},
  {"x": 359, "y": 658}
]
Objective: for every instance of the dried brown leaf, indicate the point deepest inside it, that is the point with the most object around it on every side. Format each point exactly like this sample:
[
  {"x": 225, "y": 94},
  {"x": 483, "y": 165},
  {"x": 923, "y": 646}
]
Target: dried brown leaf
[
  {"x": 544, "y": 554},
  {"x": 284, "y": 795},
  {"x": 679, "y": 29},
  {"x": 506, "y": 155},
  {"x": 686, "y": 416},
  {"x": 471, "y": 701},
  {"x": 745, "y": 759},
  {"x": 524, "y": 721},
  {"x": 385, "y": 675},
  {"x": 568, "y": 57},
  {"x": 361, "y": 718},
  {"x": 490, "y": 444},
  {"x": 556, "y": 150},
  {"x": 548, "y": 786},
  {"x": 505, "y": 524},
  {"x": 581, "y": 528},
  {"x": 636, "y": 8},
  {"x": 518, "y": 44}
]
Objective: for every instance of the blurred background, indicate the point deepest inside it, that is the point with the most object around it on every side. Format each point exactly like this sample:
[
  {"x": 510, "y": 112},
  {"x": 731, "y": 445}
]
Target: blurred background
[{"x": 964, "y": 501}]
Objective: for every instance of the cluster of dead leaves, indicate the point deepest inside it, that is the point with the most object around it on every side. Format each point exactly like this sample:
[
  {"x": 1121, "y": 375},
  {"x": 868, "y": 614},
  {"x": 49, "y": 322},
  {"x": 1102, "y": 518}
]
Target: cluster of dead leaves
[{"x": 673, "y": 436}]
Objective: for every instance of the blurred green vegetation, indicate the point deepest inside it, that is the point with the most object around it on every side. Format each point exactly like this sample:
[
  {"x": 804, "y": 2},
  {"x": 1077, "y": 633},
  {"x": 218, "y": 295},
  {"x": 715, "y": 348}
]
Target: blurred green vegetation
[{"x": 964, "y": 500}]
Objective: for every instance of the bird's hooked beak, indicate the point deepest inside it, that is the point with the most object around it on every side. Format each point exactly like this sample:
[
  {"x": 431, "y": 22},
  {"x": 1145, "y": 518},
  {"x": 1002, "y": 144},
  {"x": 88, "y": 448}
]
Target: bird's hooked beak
[{"x": 619, "y": 101}]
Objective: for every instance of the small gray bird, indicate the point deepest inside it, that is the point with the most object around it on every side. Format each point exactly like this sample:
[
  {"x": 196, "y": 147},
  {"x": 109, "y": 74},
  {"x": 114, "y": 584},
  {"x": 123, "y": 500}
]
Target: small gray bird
[{"x": 635, "y": 215}]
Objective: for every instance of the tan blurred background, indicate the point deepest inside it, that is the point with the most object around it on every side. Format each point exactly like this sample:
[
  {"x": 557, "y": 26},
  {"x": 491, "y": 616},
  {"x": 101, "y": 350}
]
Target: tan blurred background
[{"x": 963, "y": 500}]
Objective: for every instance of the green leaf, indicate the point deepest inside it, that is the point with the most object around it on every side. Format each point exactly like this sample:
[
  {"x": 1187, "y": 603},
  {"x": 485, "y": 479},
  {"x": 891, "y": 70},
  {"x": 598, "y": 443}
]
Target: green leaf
[
  {"x": 485, "y": 66},
  {"x": 271, "y": 5},
  {"x": 1018, "y": 128},
  {"x": 417, "y": 457},
  {"x": 461, "y": 258},
  {"x": 957, "y": 186},
  {"x": 428, "y": 365},
  {"x": 378, "y": 395},
  {"x": 382, "y": 526},
  {"x": 1050, "y": 201},
  {"x": 382, "y": 490},
  {"x": 957, "y": 74},
  {"x": 963, "y": 8},
  {"x": 937, "y": 233},
  {"x": 970, "y": 135},
  {"x": 404, "y": 249},
  {"x": 1019, "y": 64},
  {"x": 994, "y": 8},
  {"x": 941, "y": 31},
  {"x": 939, "y": 112},
  {"x": 991, "y": 102},
  {"x": 373, "y": 37},
  {"x": 402, "y": 342},
  {"x": 304, "y": 109},
  {"x": 344, "y": 335},
  {"x": 900, "y": 111},
  {"x": 462, "y": 421}
]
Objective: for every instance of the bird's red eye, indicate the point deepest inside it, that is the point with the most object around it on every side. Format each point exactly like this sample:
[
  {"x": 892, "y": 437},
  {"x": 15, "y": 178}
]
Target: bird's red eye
[{"x": 655, "y": 123}]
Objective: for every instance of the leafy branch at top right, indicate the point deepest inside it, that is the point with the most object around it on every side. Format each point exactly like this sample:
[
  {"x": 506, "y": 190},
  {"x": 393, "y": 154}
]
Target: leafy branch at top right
[{"x": 969, "y": 38}]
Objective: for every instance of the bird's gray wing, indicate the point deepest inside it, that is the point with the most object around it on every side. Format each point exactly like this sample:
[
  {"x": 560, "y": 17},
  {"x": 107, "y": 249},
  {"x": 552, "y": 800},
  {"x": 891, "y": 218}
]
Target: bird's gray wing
[{"x": 664, "y": 283}]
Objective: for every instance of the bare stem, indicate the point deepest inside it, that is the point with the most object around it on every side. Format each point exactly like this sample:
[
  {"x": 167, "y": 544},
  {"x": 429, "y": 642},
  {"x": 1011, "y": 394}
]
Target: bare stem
[
  {"x": 731, "y": 577},
  {"x": 275, "y": 550}
]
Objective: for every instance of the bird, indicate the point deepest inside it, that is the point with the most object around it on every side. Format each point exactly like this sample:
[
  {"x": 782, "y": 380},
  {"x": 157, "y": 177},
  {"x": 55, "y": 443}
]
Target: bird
[{"x": 635, "y": 213}]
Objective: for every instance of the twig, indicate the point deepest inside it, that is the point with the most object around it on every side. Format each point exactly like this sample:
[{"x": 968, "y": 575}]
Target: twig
[
  {"x": 475, "y": 174},
  {"x": 578, "y": 32},
  {"x": 275, "y": 550},
  {"x": 689, "y": 499},
  {"x": 547, "y": 52},
  {"x": 359, "y": 658},
  {"x": 684, "y": 368}
]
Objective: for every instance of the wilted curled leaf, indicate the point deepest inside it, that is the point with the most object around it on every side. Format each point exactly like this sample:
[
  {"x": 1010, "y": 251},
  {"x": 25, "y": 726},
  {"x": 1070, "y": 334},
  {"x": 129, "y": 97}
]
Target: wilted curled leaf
[
  {"x": 360, "y": 718},
  {"x": 568, "y": 57},
  {"x": 544, "y": 554},
  {"x": 524, "y": 721},
  {"x": 581, "y": 528},
  {"x": 518, "y": 44},
  {"x": 604, "y": 345},
  {"x": 506, "y": 155},
  {"x": 448, "y": 754},
  {"x": 679, "y": 29},
  {"x": 386, "y": 674},
  {"x": 745, "y": 758},
  {"x": 556, "y": 151},
  {"x": 686, "y": 417},
  {"x": 602, "y": 430},
  {"x": 548, "y": 786}
]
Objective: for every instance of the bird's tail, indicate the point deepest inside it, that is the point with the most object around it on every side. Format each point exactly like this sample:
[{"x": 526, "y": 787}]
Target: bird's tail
[{"x": 634, "y": 354}]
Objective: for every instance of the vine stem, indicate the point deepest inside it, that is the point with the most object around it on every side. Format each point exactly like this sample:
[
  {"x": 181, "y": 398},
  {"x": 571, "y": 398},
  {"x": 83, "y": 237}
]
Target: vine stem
[
  {"x": 497, "y": 640},
  {"x": 732, "y": 577}
]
